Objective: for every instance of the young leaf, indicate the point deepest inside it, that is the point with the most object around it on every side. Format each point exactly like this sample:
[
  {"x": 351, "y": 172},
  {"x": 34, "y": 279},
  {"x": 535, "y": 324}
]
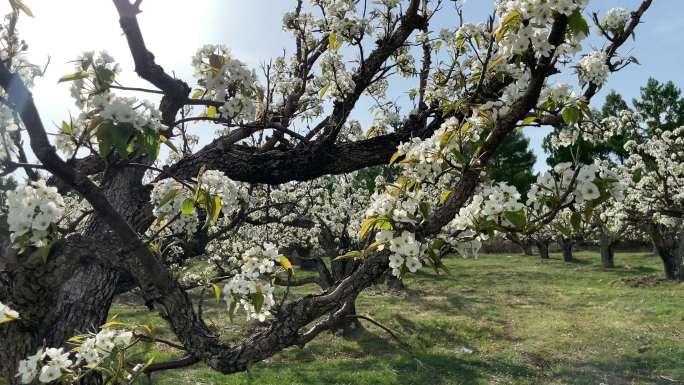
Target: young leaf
[
  {"x": 66, "y": 128},
  {"x": 444, "y": 197},
  {"x": 217, "y": 291},
  {"x": 324, "y": 90},
  {"x": 351, "y": 254},
  {"x": 168, "y": 143},
  {"x": 571, "y": 115},
  {"x": 394, "y": 157},
  {"x": 577, "y": 23},
  {"x": 576, "y": 220},
  {"x": 529, "y": 120},
  {"x": 23, "y": 8},
  {"x": 104, "y": 137},
  {"x": 74, "y": 76},
  {"x": 169, "y": 196},
  {"x": 284, "y": 262},
  {"x": 188, "y": 207},
  {"x": 366, "y": 226},
  {"x": 258, "y": 299},
  {"x": 216, "y": 208},
  {"x": 517, "y": 218},
  {"x": 211, "y": 112}
]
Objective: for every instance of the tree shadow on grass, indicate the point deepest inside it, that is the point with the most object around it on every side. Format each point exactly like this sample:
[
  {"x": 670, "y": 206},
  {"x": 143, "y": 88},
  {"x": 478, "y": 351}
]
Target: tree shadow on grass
[
  {"x": 415, "y": 366},
  {"x": 657, "y": 368}
]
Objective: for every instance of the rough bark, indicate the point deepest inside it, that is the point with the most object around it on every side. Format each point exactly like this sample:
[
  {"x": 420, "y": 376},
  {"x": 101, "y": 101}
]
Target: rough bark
[
  {"x": 669, "y": 244},
  {"x": 543, "y": 247},
  {"x": 527, "y": 248},
  {"x": 606, "y": 243},
  {"x": 566, "y": 246}
]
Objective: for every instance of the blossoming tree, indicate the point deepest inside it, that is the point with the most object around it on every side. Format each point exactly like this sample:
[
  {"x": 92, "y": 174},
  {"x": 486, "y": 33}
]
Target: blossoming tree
[{"x": 110, "y": 214}]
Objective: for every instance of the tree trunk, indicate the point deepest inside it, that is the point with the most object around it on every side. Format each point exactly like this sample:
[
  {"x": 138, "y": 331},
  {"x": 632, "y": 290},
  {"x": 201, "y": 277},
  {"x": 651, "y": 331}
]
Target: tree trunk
[
  {"x": 72, "y": 292},
  {"x": 606, "y": 244},
  {"x": 341, "y": 269},
  {"x": 543, "y": 247},
  {"x": 527, "y": 248},
  {"x": 669, "y": 244},
  {"x": 566, "y": 245}
]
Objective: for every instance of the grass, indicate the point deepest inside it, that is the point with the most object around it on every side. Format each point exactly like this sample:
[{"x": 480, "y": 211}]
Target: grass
[{"x": 498, "y": 319}]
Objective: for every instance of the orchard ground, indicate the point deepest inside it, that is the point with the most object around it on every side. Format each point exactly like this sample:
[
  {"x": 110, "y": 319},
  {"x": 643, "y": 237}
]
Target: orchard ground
[{"x": 497, "y": 319}]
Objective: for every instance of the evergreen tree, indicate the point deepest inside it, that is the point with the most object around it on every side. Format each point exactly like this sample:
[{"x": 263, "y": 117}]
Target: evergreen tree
[{"x": 513, "y": 162}]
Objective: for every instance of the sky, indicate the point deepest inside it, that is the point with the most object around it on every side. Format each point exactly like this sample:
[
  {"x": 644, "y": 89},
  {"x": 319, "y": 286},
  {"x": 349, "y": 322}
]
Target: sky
[{"x": 175, "y": 29}]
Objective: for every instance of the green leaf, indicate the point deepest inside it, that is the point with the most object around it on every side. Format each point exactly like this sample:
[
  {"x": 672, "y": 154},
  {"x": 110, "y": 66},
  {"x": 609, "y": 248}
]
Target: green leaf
[
  {"x": 394, "y": 158},
  {"x": 197, "y": 94},
  {"x": 333, "y": 43},
  {"x": 576, "y": 220},
  {"x": 212, "y": 203},
  {"x": 217, "y": 291},
  {"x": 169, "y": 196},
  {"x": 424, "y": 209},
  {"x": 366, "y": 226},
  {"x": 511, "y": 19},
  {"x": 168, "y": 143},
  {"x": 44, "y": 251},
  {"x": 74, "y": 76},
  {"x": 578, "y": 24},
  {"x": 571, "y": 115},
  {"x": 529, "y": 120},
  {"x": 121, "y": 135},
  {"x": 104, "y": 137},
  {"x": 188, "y": 206},
  {"x": 324, "y": 90},
  {"x": 517, "y": 218},
  {"x": 20, "y": 5},
  {"x": 444, "y": 197},
  {"x": 211, "y": 112},
  {"x": 438, "y": 45},
  {"x": 351, "y": 254},
  {"x": 258, "y": 300},
  {"x": 66, "y": 128},
  {"x": 104, "y": 75}
]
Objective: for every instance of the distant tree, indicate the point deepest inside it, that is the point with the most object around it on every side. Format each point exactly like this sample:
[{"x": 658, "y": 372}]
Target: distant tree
[
  {"x": 661, "y": 104},
  {"x": 513, "y": 162}
]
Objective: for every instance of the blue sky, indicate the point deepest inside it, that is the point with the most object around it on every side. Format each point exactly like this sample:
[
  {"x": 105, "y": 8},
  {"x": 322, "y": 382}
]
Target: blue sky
[{"x": 174, "y": 29}]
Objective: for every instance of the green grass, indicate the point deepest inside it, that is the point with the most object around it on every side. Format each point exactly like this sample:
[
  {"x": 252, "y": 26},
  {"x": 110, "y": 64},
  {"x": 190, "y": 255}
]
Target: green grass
[{"x": 526, "y": 321}]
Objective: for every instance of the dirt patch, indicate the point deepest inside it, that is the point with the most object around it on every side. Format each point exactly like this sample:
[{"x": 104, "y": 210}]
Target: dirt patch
[{"x": 646, "y": 281}]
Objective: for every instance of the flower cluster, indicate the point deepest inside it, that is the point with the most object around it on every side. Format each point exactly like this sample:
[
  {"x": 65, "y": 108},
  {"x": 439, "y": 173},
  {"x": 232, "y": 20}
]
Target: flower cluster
[
  {"x": 141, "y": 114},
  {"x": 584, "y": 180},
  {"x": 33, "y": 210},
  {"x": 174, "y": 203},
  {"x": 615, "y": 19},
  {"x": 247, "y": 288},
  {"x": 592, "y": 68},
  {"x": 405, "y": 250},
  {"x": 8, "y": 128},
  {"x": 51, "y": 364},
  {"x": 93, "y": 75},
  {"x": 534, "y": 32},
  {"x": 105, "y": 117},
  {"x": 227, "y": 80}
]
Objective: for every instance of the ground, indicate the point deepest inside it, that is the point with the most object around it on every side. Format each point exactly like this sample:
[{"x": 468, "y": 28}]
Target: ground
[{"x": 497, "y": 319}]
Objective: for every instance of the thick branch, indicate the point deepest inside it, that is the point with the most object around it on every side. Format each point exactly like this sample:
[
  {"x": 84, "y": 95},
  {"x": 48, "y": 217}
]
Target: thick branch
[{"x": 175, "y": 90}]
